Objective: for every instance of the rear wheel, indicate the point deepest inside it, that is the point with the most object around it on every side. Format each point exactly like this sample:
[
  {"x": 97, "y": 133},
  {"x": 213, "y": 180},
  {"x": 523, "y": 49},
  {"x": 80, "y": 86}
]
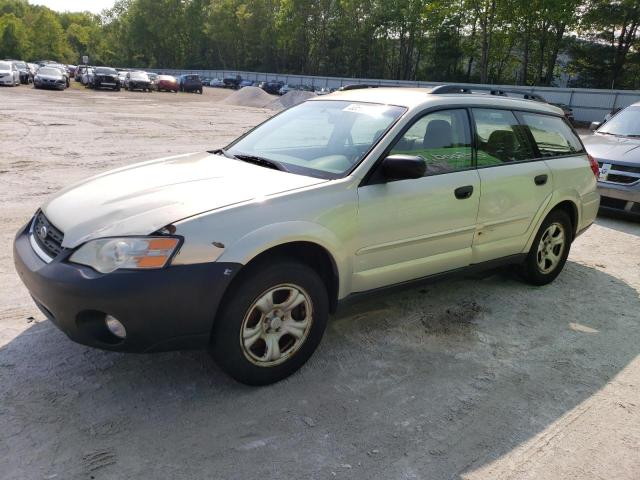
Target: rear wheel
[
  {"x": 271, "y": 324},
  {"x": 550, "y": 249}
]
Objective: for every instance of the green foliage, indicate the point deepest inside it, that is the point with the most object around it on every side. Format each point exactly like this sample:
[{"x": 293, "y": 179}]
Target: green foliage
[{"x": 492, "y": 41}]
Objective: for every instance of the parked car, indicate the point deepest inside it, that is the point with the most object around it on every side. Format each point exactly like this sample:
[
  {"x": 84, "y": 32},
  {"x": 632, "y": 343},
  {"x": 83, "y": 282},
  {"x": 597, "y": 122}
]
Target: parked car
[
  {"x": 167, "y": 83},
  {"x": 273, "y": 87},
  {"x": 26, "y": 77},
  {"x": 285, "y": 89},
  {"x": 50, "y": 77},
  {"x": 137, "y": 81},
  {"x": 322, "y": 91},
  {"x": 568, "y": 111},
  {"x": 72, "y": 70},
  {"x": 232, "y": 82},
  {"x": 122, "y": 75},
  {"x": 246, "y": 250},
  {"x": 80, "y": 71},
  {"x": 87, "y": 75},
  {"x": 216, "y": 82},
  {"x": 246, "y": 83},
  {"x": 190, "y": 83},
  {"x": 9, "y": 74},
  {"x": 104, "y": 77},
  {"x": 153, "y": 77},
  {"x": 63, "y": 70},
  {"x": 616, "y": 147}
]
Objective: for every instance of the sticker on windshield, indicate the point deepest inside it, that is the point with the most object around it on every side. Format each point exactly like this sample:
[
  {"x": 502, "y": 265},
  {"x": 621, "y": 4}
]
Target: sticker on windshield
[{"x": 372, "y": 110}]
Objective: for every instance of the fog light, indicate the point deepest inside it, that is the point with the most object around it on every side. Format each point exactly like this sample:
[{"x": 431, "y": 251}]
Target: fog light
[{"x": 115, "y": 327}]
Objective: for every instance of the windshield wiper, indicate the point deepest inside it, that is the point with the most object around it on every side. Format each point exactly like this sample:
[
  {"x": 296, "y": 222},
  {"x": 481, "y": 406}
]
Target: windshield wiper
[
  {"x": 263, "y": 162},
  {"x": 222, "y": 151}
]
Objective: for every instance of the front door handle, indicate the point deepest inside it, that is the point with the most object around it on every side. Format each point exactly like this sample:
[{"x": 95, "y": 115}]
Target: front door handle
[
  {"x": 464, "y": 192},
  {"x": 541, "y": 179}
]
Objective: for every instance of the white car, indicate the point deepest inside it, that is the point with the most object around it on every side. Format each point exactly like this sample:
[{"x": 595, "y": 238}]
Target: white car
[
  {"x": 247, "y": 249},
  {"x": 9, "y": 74}
]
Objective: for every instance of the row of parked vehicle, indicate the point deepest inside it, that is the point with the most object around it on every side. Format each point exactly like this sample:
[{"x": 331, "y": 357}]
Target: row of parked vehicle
[
  {"x": 274, "y": 87},
  {"x": 115, "y": 79}
]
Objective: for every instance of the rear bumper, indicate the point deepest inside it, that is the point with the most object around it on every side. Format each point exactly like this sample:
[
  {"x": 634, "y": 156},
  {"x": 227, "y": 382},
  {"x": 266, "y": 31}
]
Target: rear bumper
[{"x": 167, "y": 309}]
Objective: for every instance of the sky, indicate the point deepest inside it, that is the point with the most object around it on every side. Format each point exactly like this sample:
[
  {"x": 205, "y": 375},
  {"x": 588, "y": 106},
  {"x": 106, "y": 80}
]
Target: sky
[{"x": 95, "y": 6}]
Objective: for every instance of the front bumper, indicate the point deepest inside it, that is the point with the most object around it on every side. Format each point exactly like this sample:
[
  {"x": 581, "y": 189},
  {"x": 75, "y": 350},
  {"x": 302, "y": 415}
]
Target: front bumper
[
  {"x": 167, "y": 309},
  {"x": 619, "y": 197}
]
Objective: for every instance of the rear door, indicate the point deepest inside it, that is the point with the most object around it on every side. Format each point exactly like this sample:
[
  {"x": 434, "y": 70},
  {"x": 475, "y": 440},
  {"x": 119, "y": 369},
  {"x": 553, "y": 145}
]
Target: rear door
[{"x": 515, "y": 185}]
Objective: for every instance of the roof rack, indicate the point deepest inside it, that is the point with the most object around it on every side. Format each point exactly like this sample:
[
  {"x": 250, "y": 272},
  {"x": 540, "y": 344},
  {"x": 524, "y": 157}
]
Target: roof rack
[
  {"x": 356, "y": 86},
  {"x": 444, "y": 89}
]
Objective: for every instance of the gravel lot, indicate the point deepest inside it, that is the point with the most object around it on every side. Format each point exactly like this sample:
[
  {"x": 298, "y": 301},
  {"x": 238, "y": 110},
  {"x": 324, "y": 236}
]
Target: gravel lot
[{"x": 480, "y": 377}]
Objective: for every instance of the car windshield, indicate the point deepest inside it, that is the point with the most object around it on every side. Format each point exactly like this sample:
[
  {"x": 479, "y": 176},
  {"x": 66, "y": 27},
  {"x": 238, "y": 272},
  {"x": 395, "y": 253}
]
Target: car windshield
[
  {"x": 48, "y": 71},
  {"x": 319, "y": 138},
  {"x": 5, "y": 66},
  {"x": 106, "y": 71},
  {"x": 626, "y": 123},
  {"x": 139, "y": 76},
  {"x": 20, "y": 64}
]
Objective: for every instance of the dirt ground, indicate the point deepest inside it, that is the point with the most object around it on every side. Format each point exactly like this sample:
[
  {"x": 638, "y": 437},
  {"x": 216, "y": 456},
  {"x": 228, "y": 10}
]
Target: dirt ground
[{"x": 479, "y": 377}]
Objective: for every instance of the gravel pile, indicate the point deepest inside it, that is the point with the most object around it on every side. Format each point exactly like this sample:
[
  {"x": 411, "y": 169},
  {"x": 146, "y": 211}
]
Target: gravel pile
[
  {"x": 249, "y": 97},
  {"x": 290, "y": 99}
]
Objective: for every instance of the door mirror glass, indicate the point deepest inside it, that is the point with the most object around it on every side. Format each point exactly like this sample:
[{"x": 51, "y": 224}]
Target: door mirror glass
[
  {"x": 403, "y": 167},
  {"x": 594, "y": 126}
]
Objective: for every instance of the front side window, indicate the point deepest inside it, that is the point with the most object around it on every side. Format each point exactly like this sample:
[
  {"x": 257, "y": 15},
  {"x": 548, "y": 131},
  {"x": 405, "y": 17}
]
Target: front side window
[
  {"x": 500, "y": 138},
  {"x": 325, "y": 138},
  {"x": 552, "y": 135},
  {"x": 442, "y": 138}
]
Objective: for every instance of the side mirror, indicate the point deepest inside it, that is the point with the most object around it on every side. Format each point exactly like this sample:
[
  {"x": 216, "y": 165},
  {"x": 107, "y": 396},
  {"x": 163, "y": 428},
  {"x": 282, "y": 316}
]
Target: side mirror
[
  {"x": 594, "y": 126},
  {"x": 403, "y": 167}
]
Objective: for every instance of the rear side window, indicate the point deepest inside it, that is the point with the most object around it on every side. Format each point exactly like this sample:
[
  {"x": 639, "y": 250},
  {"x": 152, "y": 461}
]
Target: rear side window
[
  {"x": 442, "y": 138},
  {"x": 500, "y": 138},
  {"x": 552, "y": 135}
]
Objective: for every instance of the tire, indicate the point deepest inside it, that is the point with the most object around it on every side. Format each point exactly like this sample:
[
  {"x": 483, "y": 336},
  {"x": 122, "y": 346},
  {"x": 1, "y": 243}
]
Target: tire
[
  {"x": 546, "y": 259},
  {"x": 256, "y": 364}
]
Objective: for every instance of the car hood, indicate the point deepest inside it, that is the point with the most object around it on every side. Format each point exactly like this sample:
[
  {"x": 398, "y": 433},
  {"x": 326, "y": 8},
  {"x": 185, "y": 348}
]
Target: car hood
[
  {"x": 143, "y": 198},
  {"x": 608, "y": 148},
  {"x": 50, "y": 77},
  {"x": 4, "y": 72}
]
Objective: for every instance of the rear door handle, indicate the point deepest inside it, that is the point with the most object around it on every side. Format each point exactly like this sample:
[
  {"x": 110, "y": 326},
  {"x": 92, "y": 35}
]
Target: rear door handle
[
  {"x": 464, "y": 192},
  {"x": 541, "y": 179}
]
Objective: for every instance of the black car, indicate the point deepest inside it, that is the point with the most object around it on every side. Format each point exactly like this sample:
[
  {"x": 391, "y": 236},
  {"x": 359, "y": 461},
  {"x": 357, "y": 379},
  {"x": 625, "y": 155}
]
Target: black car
[
  {"x": 104, "y": 77},
  {"x": 137, "y": 81},
  {"x": 232, "y": 82},
  {"x": 50, "y": 77},
  {"x": 272, "y": 87},
  {"x": 190, "y": 83}
]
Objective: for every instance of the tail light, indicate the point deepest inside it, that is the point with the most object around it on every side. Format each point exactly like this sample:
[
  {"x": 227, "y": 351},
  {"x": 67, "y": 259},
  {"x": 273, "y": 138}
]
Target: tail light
[{"x": 594, "y": 166}]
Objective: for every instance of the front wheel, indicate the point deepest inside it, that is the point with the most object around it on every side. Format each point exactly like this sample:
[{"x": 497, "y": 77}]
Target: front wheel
[
  {"x": 272, "y": 322},
  {"x": 550, "y": 249}
]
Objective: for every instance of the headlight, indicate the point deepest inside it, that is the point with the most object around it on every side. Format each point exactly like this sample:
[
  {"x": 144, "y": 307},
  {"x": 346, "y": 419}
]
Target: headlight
[{"x": 108, "y": 254}]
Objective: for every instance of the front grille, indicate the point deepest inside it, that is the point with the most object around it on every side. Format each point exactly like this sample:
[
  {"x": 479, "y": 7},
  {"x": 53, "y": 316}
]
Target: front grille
[
  {"x": 626, "y": 168},
  {"x": 618, "y": 178},
  {"x": 47, "y": 236}
]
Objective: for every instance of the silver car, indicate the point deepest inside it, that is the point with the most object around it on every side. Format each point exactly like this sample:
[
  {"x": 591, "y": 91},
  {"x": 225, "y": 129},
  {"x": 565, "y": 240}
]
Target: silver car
[
  {"x": 616, "y": 147},
  {"x": 247, "y": 249},
  {"x": 9, "y": 74}
]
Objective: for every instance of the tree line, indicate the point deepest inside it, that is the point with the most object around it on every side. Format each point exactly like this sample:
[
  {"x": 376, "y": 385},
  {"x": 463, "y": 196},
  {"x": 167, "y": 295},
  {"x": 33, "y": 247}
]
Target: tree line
[{"x": 589, "y": 43}]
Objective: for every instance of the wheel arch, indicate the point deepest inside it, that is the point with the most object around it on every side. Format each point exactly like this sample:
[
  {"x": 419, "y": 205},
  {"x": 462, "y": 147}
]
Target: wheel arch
[{"x": 571, "y": 209}]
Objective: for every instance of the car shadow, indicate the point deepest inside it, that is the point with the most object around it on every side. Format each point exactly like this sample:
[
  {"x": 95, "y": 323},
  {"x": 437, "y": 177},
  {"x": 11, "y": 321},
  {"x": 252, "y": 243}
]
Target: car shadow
[
  {"x": 434, "y": 381},
  {"x": 621, "y": 222}
]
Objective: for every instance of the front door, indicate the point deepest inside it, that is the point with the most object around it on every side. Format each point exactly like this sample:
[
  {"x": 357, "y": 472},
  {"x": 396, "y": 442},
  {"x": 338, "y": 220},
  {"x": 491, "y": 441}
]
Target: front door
[{"x": 414, "y": 228}]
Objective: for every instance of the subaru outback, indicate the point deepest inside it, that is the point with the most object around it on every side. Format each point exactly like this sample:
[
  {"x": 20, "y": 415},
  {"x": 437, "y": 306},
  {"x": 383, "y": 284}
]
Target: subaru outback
[{"x": 246, "y": 250}]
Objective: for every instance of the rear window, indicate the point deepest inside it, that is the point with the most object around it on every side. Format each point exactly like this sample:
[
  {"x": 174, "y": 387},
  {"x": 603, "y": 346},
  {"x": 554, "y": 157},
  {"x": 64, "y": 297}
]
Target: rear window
[{"x": 552, "y": 135}]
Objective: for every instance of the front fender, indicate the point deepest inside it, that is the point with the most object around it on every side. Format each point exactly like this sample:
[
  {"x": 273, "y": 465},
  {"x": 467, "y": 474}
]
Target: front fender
[{"x": 269, "y": 236}]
